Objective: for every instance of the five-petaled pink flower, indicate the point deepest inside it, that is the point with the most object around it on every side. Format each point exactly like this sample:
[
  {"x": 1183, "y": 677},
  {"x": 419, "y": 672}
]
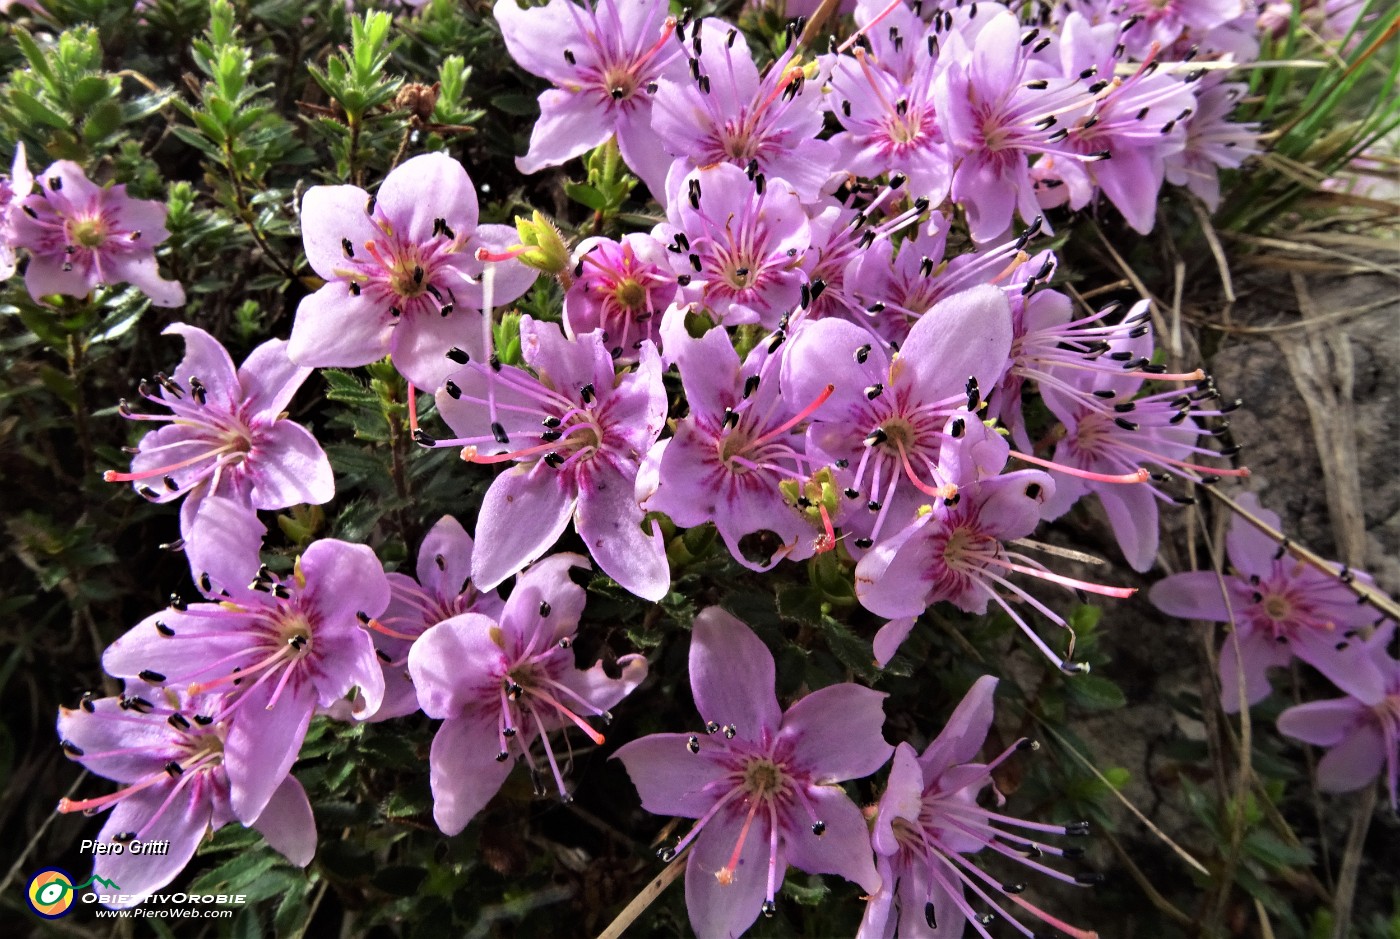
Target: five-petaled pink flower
[{"x": 763, "y": 783}]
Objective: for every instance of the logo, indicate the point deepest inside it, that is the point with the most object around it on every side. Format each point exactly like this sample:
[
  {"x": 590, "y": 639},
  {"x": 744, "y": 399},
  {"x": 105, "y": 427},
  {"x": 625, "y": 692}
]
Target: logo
[{"x": 51, "y": 891}]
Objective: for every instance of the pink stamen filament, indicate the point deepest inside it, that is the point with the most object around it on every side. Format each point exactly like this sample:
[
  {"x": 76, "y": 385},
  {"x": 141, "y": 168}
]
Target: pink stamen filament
[
  {"x": 282, "y": 653},
  {"x": 1140, "y": 476},
  {"x": 379, "y": 627},
  {"x": 798, "y": 419},
  {"x": 725, "y": 875},
  {"x": 112, "y": 476},
  {"x": 1071, "y": 582}
]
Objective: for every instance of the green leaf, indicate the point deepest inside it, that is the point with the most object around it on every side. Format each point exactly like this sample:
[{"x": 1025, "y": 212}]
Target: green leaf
[{"x": 1094, "y": 693}]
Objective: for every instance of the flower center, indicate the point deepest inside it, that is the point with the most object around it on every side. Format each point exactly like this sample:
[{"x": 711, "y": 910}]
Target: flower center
[
  {"x": 764, "y": 779},
  {"x": 1277, "y": 607},
  {"x": 90, "y": 232},
  {"x": 295, "y": 631},
  {"x": 631, "y": 295}
]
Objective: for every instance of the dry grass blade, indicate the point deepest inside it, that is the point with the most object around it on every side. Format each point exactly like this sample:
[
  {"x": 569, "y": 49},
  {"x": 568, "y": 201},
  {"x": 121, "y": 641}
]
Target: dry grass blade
[
  {"x": 1375, "y": 597},
  {"x": 1351, "y": 863},
  {"x": 1127, "y": 803},
  {"x": 645, "y": 898},
  {"x": 1303, "y": 248},
  {"x": 1324, "y": 371},
  {"x": 1285, "y": 327}
]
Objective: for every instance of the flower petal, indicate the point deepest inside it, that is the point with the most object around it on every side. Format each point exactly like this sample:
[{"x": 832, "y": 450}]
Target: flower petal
[
  {"x": 464, "y": 771},
  {"x": 731, "y": 676},
  {"x": 263, "y": 743},
  {"x": 288, "y": 467},
  {"x": 287, "y": 823},
  {"x": 182, "y": 822},
  {"x": 335, "y": 329},
  {"x": 330, "y": 216},
  {"x": 570, "y": 124},
  {"x": 524, "y": 512},
  {"x": 1354, "y": 762},
  {"x": 843, "y": 848},
  {"x": 1192, "y": 595},
  {"x": 269, "y": 378},
  {"x": 426, "y": 188},
  {"x": 445, "y": 558},
  {"x": 670, "y": 779},
  {"x": 455, "y": 665},
  {"x": 962, "y": 737},
  {"x": 610, "y": 523},
  {"x": 1322, "y": 723},
  {"x": 836, "y": 733},
  {"x": 725, "y": 911}
]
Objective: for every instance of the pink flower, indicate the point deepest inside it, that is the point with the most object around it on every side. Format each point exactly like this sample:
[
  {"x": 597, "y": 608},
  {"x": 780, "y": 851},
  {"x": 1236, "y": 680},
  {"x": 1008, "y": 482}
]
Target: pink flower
[
  {"x": 1280, "y": 608},
  {"x": 762, "y": 782},
  {"x": 1361, "y": 732},
  {"x": 929, "y": 818},
  {"x": 168, "y": 748},
  {"x": 578, "y": 432},
  {"x": 605, "y": 62},
  {"x": 13, "y": 190},
  {"x": 401, "y": 270},
  {"x": 501, "y": 682},
  {"x": 228, "y": 448},
  {"x": 81, "y": 236}
]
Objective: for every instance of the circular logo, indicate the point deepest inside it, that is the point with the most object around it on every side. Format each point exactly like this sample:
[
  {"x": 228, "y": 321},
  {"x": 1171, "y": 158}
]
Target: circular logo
[{"x": 50, "y": 893}]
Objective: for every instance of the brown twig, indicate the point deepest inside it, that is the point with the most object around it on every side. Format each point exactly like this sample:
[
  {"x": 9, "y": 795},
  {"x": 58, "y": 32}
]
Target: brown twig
[{"x": 645, "y": 898}]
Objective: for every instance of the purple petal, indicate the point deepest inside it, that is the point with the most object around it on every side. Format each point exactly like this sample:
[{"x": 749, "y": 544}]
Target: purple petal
[
  {"x": 670, "y": 779},
  {"x": 610, "y": 523},
  {"x": 1132, "y": 513},
  {"x": 288, "y": 467},
  {"x": 903, "y": 798},
  {"x": 1354, "y": 762},
  {"x": 547, "y": 582},
  {"x": 1192, "y": 595},
  {"x": 454, "y": 666},
  {"x": 836, "y": 733},
  {"x": 142, "y": 271},
  {"x": 536, "y": 38},
  {"x": 821, "y": 355},
  {"x": 1250, "y": 550},
  {"x": 287, "y": 823},
  {"x": 570, "y": 124},
  {"x": 1322, "y": 723},
  {"x": 524, "y": 512},
  {"x": 144, "y": 646},
  {"x": 965, "y": 335},
  {"x": 731, "y": 676},
  {"x": 892, "y": 580},
  {"x": 709, "y": 372},
  {"x": 222, "y": 539},
  {"x": 843, "y": 848},
  {"x": 335, "y": 329},
  {"x": 962, "y": 737},
  {"x": 269, "y": 378},
  {"x": 464, "y": 771},
  {"x": 726, "y": 911},
  {"x": 1352, "y": 668},
  {"x": 206, "y": 359},
  {"x": 45, "y": 276},
  {"x": 426, "y": 188},
  {"x": 331, "y": 215},
  {"x": 890, "y": 637},
  {"x": 342, "y": 581},
  {"x": 182, "y": 822},
  {"x": 445, "y": 558},
  {"x": 262, "y": 743},
  {"x": 420, "y": 342},
  {"x": 1258, "y": 653},
  {"x": 114, "y": 746},
  {"x": 603, "y": 692}
]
